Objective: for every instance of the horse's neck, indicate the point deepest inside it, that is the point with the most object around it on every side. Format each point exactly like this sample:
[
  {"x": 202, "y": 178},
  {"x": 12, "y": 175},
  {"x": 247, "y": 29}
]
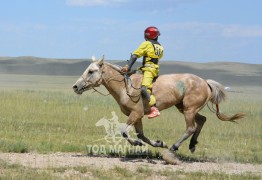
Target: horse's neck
[{"x": 113, "y": 81}]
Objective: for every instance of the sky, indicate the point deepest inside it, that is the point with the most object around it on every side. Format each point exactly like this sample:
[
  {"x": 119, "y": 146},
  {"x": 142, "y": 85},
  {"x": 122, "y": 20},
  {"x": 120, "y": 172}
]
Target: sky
[{"x": 191, "y": 30}]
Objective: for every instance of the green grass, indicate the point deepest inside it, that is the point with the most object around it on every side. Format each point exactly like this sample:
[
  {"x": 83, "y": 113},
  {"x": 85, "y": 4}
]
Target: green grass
[
  {"x": 49, "y": 121},
  {"x": 16, "y": 171},
  {"x": 54, "y": 120},
  {"x": 42, "y": 114}
]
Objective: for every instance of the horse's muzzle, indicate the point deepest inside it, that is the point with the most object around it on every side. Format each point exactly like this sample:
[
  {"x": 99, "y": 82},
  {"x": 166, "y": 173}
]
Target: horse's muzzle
[{"x": 77, "y": 90}]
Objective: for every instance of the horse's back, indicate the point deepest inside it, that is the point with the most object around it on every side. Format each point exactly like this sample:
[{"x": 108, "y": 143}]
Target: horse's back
[
  {"x": 183, "y": 80},
  {"x": 172, "y": 89}
]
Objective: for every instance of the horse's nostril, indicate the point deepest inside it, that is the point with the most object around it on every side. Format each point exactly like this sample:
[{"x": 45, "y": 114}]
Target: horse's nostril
[{"x": 75, "y": 87}]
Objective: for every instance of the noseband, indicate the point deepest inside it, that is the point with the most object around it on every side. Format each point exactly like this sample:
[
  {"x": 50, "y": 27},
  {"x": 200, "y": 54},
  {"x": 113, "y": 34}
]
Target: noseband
[{"x": 93, "y": 85}]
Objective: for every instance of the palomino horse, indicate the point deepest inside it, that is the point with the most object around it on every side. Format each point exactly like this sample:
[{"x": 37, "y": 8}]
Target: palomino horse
[{"x": 188, "y": 92}]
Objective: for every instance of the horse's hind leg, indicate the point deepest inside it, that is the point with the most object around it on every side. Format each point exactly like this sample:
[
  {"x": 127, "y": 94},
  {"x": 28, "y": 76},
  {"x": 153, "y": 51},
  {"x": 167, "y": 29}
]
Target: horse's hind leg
[
  {"x": 140, "y": 134},
  {"x": 190, "y": 127},
  {"x": 200, "y": 121}
]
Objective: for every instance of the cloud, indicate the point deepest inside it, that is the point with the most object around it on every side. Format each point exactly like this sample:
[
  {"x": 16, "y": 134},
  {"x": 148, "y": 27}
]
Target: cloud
[
  {"x": 242, "y": 31},
  {"x": 90, "y": 3},
  {"x": 152, "y": 6},
  {"x": 16, "y": 28},
  {"x": 215, "y": 29},
  {"x": 194, "y": 28}
]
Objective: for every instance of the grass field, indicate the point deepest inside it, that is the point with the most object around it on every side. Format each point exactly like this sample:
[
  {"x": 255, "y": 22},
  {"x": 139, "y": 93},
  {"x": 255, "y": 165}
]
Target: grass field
[
  {"x": 19, "y": 172},
  {"x": 42, "y": 114}
]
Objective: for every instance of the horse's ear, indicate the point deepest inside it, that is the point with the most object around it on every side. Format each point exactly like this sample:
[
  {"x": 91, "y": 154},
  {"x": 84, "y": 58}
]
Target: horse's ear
[
  {"x": 101, "y": 61},
  {"x": 93, "y": 58}
]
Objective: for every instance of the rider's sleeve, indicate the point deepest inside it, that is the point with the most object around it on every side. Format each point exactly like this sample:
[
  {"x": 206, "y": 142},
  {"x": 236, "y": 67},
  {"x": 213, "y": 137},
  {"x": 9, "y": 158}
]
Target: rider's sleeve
[
  {"x": 140, "y": 51},
  {"x": 131, "y": 61},
  {"x": 161, "y": 55}
]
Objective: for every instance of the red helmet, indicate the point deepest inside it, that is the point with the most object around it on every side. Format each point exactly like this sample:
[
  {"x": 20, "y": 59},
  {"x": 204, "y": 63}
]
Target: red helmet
[{"x": 151, "y": 32}]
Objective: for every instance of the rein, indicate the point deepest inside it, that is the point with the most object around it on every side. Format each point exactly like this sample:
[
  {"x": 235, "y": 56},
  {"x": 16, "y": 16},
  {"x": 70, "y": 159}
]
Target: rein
[
  {"x": 127, "y": 79},
  {"x": 99, "y": 92}
]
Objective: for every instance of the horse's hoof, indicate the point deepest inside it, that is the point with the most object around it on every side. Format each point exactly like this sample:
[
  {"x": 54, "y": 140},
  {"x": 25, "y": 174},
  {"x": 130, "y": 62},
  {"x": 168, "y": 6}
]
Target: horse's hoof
[
  {"x": 192, "y": 145},
  {"x": 138, "y": 143},
  {"x": 164, "y": 145},
  {"x": 173, "y": 148},
  {"x": 161, "y": 144},
  {"x": 192, "y": 149}
]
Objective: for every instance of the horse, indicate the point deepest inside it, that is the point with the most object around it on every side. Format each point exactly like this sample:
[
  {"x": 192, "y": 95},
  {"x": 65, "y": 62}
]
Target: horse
[{"x": 187, "y": 92}]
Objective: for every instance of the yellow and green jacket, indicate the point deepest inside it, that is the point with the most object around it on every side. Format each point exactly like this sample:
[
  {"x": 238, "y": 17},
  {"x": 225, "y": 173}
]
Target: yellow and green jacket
[{"x": 152, "y": 52}]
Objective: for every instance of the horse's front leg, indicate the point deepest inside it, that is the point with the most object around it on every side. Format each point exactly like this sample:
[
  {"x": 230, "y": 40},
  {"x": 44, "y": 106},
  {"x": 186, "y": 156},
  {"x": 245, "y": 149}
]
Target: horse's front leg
[
  {"x": 140, "y": 134},
  {"x": 132, "y": 119}
]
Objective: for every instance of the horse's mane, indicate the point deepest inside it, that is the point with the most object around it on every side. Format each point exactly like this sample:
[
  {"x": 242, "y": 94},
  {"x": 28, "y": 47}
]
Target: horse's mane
[{"x": 114, "y": 66}]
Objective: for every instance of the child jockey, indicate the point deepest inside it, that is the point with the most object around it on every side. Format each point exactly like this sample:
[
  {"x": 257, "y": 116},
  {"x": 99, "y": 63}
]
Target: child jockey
[{"x": 152, "y": 51}]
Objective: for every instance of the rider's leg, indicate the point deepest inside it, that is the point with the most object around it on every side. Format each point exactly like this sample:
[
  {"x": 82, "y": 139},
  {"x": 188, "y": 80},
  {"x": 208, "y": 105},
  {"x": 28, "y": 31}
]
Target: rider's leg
[
  {"x": 147, "y": 84},
  {"x": 145, "y": 93}
]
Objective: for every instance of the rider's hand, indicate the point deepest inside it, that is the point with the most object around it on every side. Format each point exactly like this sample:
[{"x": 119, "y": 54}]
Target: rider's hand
[{"x": 124, "y": 69}]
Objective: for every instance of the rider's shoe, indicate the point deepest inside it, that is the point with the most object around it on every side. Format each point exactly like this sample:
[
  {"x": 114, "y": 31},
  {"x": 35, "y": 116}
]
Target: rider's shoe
[{"x": 154, "y": 112}]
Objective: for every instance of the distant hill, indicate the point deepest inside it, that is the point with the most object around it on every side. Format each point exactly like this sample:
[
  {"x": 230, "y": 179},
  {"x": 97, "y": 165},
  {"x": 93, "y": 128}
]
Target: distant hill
[{"x": 227, "y": 73}]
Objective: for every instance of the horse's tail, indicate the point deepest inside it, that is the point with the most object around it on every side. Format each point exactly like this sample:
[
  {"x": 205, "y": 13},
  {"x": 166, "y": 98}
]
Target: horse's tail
[{"x": 219, "y": 95}]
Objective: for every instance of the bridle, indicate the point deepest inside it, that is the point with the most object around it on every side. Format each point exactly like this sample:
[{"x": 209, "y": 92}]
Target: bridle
[
  {"x": 93, "y": 85},
  {"x": 125, "y": 76}
]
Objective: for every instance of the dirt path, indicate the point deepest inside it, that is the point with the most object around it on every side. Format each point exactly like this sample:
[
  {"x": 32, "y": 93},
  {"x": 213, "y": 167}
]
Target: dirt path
[{"x": 55, "y": 160}]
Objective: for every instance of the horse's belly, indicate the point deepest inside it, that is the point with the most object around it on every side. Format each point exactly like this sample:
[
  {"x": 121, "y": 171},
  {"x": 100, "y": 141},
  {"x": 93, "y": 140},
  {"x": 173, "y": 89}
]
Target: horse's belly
[{"x": 168, "y": 92}]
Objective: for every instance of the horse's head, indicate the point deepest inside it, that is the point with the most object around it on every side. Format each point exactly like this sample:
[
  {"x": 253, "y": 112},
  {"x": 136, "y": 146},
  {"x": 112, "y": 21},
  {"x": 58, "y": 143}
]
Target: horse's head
[{"x": 92, "y": 77}]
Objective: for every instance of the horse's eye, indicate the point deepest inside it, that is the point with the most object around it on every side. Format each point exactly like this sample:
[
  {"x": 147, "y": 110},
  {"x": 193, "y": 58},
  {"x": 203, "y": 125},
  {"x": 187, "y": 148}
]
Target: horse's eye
[{"x": 90, "y": 72}]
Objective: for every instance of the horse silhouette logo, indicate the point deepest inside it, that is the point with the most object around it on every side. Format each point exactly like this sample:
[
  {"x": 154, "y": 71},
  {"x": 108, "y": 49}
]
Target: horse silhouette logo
[{"x": 113, "y": 129}]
